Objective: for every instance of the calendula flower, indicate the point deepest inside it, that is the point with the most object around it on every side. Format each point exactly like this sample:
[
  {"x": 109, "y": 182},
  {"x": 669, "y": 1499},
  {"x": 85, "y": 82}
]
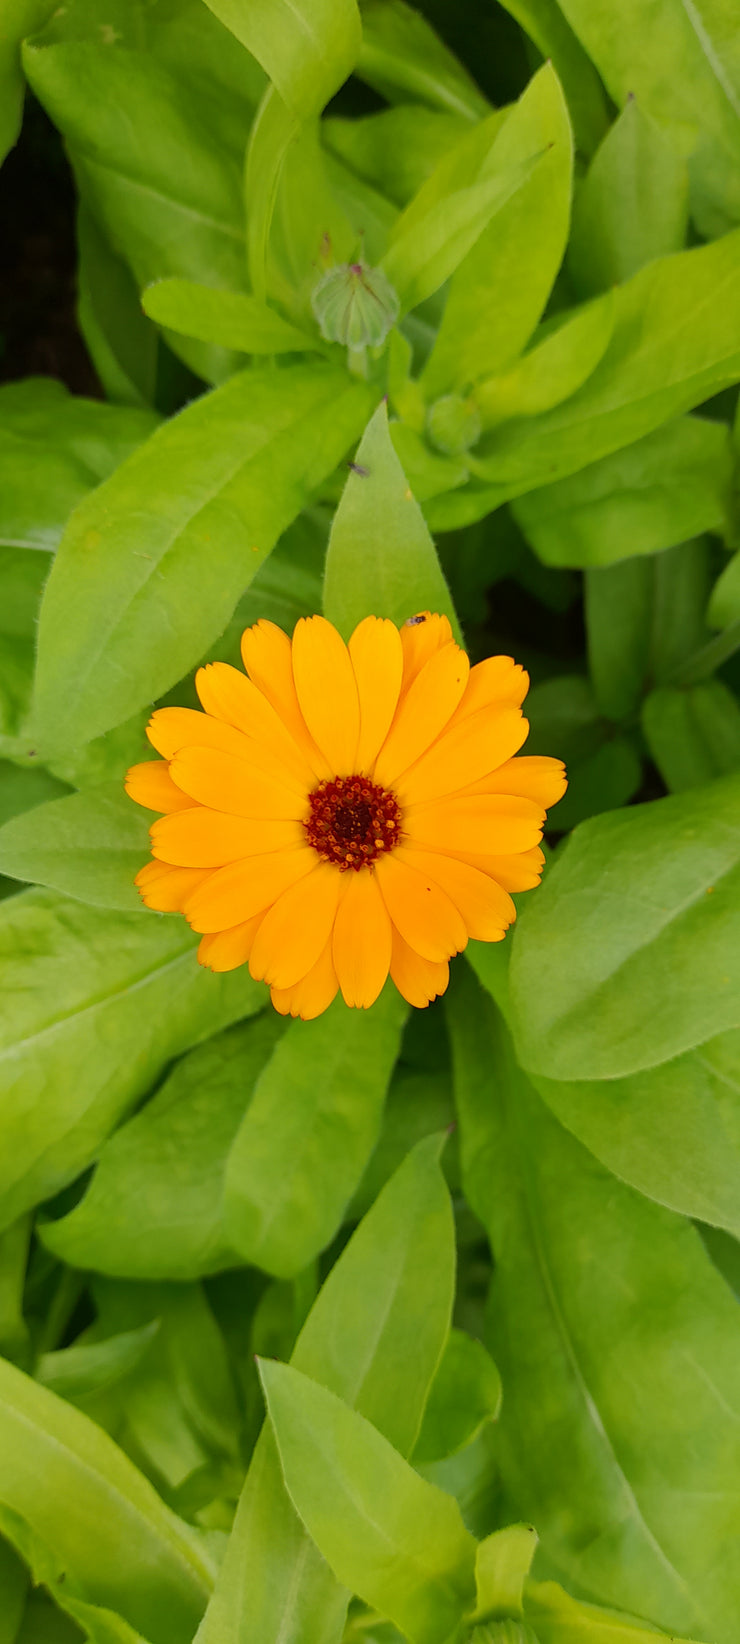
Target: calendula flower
[{"x": 340, "y": 812}]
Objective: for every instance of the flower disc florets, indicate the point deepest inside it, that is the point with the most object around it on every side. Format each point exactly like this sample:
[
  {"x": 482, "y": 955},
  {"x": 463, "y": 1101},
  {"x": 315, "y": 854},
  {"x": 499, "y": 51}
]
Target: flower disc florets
[{"x": 352, "y": 821}]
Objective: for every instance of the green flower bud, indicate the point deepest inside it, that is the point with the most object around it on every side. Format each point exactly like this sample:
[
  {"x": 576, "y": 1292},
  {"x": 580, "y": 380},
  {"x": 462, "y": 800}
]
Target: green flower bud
[
  {"x": 453, "y": 425},
  {"x": 355, "y": 305}
]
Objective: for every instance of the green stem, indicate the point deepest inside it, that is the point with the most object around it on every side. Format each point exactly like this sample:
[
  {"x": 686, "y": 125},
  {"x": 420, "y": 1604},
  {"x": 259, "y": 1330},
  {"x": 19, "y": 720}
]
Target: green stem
[{"x": 707, "y": 660}]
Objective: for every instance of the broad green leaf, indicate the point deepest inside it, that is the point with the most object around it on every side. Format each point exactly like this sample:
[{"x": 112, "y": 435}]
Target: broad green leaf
[
  {"x": 374, "y": 1336},
  {"x": 676, "y": 341},
  {"x": 419, "y": 1103},
  {"x": 115, "y": 1542},
  {"x": 78, "y": 1371},
  {"x": 604, "y": 768},
  {"x": 119, "y": 626},
  {"x": 14, "y": 1337},
  {"x": 464, "y": 1396},
  {"x": 499, "y": 290},
  {"x": 43, "y": 1623},
  {"x": 101, "y": 1626},
  {"x": 635, "y": 897},
  {"x": 631, "y": 207},
  {"x": 122, "y": 343},
  {"x": 100, "y": 1003},
  {"x": 545, "y": 24},
  {"x": 680, "y": 61},
  {"x": 307, "y": 47},
  {"x": 404, "y": 59},
  {"x": 381, "y": 558},
  {"x": 17, "y": 19},
  {"x": 308, "y": 223},
  {"x": 551, "y": 371},
  {"x": 617, "y": 1343},
  {"x": 273, "y": 130},
  {"x": 667, "y": 487},
  {"x": 724, "y": 605},
  {"x": 88, "y": 845},
  {"x": 643, "y": 620},
  {"x": 308, "y": 1132},
  {"x": 397, "y": 1541},
  {"x": 13, "y": 1590},
  {"x": 560, "y": 1619},
  {"x": 22, "y": 788},
  {"x": 502, "y": 1563},
  {"x": 694, "y": 734},
  {"x": 54, "y": 448},
  {"x": 230, "y": 318},
  {"x": 396, "y": 149},
  {"x": 154, "y": 1208}
]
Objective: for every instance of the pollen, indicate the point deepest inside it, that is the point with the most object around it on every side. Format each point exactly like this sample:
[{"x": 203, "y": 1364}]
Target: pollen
[{"x": 352, "y": 821}]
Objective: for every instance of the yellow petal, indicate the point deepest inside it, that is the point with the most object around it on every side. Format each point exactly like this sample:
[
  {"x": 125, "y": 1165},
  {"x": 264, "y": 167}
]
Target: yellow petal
[
  {"x": 532, "y": 776},
  {"x": 171, "y": 729},
  {"x": 497, "y": 682},
  {"x": 327, "y": 693},
  {"x": 202, "y": 838},
  {"x": 313, "y": 994},
  {"x": 464, "y": 752},
  {"x": 424, "y": 711},
  {"x": 421, "y": 636},
  {"x": 486, "y": 909},
  {"x": 233, "y": 894},
  {"x": 151, "y": 785},
  {"x": 267, "y": 657},
  {"x": 296, "y": 929},
  {"x": 377, "y": 660},
  {"x": 513, "y": 873},
  {"x": 421, "y": 911},
  {"x": 492, "y": 823},
  {"x": 224, "y": 783},
  {"x": 166, "y": 888},
  {"x": 418, "y": 980},
  {"x": 362, "y": 940},
  {"x": 228, "y": 949},
  {"x": 227, "y": 694}
]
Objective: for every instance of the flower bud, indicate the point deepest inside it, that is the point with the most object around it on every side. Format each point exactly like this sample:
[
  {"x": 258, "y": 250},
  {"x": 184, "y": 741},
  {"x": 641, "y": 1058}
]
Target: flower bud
[
  {"x": 453, "y": 425},
  {"x": 355, "y": 305}
]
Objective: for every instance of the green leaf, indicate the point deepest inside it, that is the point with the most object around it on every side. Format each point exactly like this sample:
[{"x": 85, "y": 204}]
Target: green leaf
[
  {"x": 100, "y": 1003},
  {"x": 101, "y": 1626},
  {"x": 404, "y": 59},
  {"x": 633, "y": 898},
  {"x": 604, "y": 768},
  {"x": 545, "y": 24},
  {"x": 43, "y": 1623},
  {"x": 54, "y": 448},
  {"x": 693, "y": 735},
  {"x": 680, "y": 63},
  {"x": 154, "y": 1208},
  {"x": 724, "y": 605},
  {"x": 114, "y": 1542},
  {"x": 374, "y": 1336},
  {"x": 76, "y": 1372},
  {"x": 230, "y": 318},
  {"x": 560, "y": 1619},
  {"x": 119, "y": 626},
  {"x": 381, "y": 558},
  {"x": 676, "y": 341},
  {"x": 551, "y": 371},
  {"x": 14, "y": 1335},
  {"x": 667, "y": 487},
  {"x": 17, "y": 19},
  {"x": 397, "y": 1541},
  {"x": 419, "y": 1103},
  {"x": 631, "y": 207},
  {"x": 13, "y": 1590},
  {"x": 121, "y": 341},
  {"x": 305, "y": 1139},
  {"x": 499, "y": 290},
  {"x": 643, "y": 620},
  {"x": 396, "y": 149},
  {"x": 464, "y": 1396},
  {"x": 307, "y": 47},
  {"x": 501, "y": 1566},
  {"x": 88, "y": 845},
  {"x": 617, "y": 1343}
]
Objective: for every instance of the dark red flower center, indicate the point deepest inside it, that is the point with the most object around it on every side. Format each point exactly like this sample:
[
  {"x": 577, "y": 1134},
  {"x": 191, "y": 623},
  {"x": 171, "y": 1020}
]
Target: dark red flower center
[{"x": 352, "y": 821}]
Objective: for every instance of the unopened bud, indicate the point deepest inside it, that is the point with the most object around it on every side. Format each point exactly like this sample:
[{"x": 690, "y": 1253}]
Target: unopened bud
[
  {"x": 355, "y": 305},
  {"x": 453, "y": 425}
]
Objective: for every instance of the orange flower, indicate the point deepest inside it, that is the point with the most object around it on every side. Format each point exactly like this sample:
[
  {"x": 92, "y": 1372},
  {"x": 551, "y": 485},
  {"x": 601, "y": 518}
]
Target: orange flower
[{"x": 342, "y": 811}]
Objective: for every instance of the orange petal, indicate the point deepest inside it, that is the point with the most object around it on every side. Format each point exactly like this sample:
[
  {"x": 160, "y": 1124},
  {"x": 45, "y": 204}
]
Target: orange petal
[
  {"x": 166, "y": 888},
  {"x": 228, "y": 949},
  {"x": 532, "y": 776},
  {"x": 464, "y": 752},
  {"x": 424, "y": 711},
  {"x": 313, "y": 994},
  {"x": 151, "y": 785},
  {"x": 377, "y": 660},
  {"x": 224, "y": 783},
  {"x": 231, "y": 895},
  {"x": 362, "y": 940},
  {"x": 513, "y": 873},
  {"x": 495, "y": 823},
  {"x": 296, "y": 929},
  {"x": 202, "y": 838},
  {"x": 497, "y": 682},
  {"x": 171, "y": 729},
  {"x": 421, "y": 636},
  {"x": 327, "y": 693},
  {"x": 418, "y": 980},
  {"x": 229, "y": 695},
  {"x": 267, "y": 657},
  {"x": 486, "y": 908},
  {"x": 421, "y": 911}
]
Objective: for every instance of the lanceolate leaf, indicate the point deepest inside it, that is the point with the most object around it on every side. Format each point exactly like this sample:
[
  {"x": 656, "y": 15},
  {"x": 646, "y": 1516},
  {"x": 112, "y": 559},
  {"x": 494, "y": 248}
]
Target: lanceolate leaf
[
  {"x": 119, "y": 622},
  {"x": 308, "y": 47},
  {"x": 89, "y": 845},
  {"x": 231, "y": 318}
]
